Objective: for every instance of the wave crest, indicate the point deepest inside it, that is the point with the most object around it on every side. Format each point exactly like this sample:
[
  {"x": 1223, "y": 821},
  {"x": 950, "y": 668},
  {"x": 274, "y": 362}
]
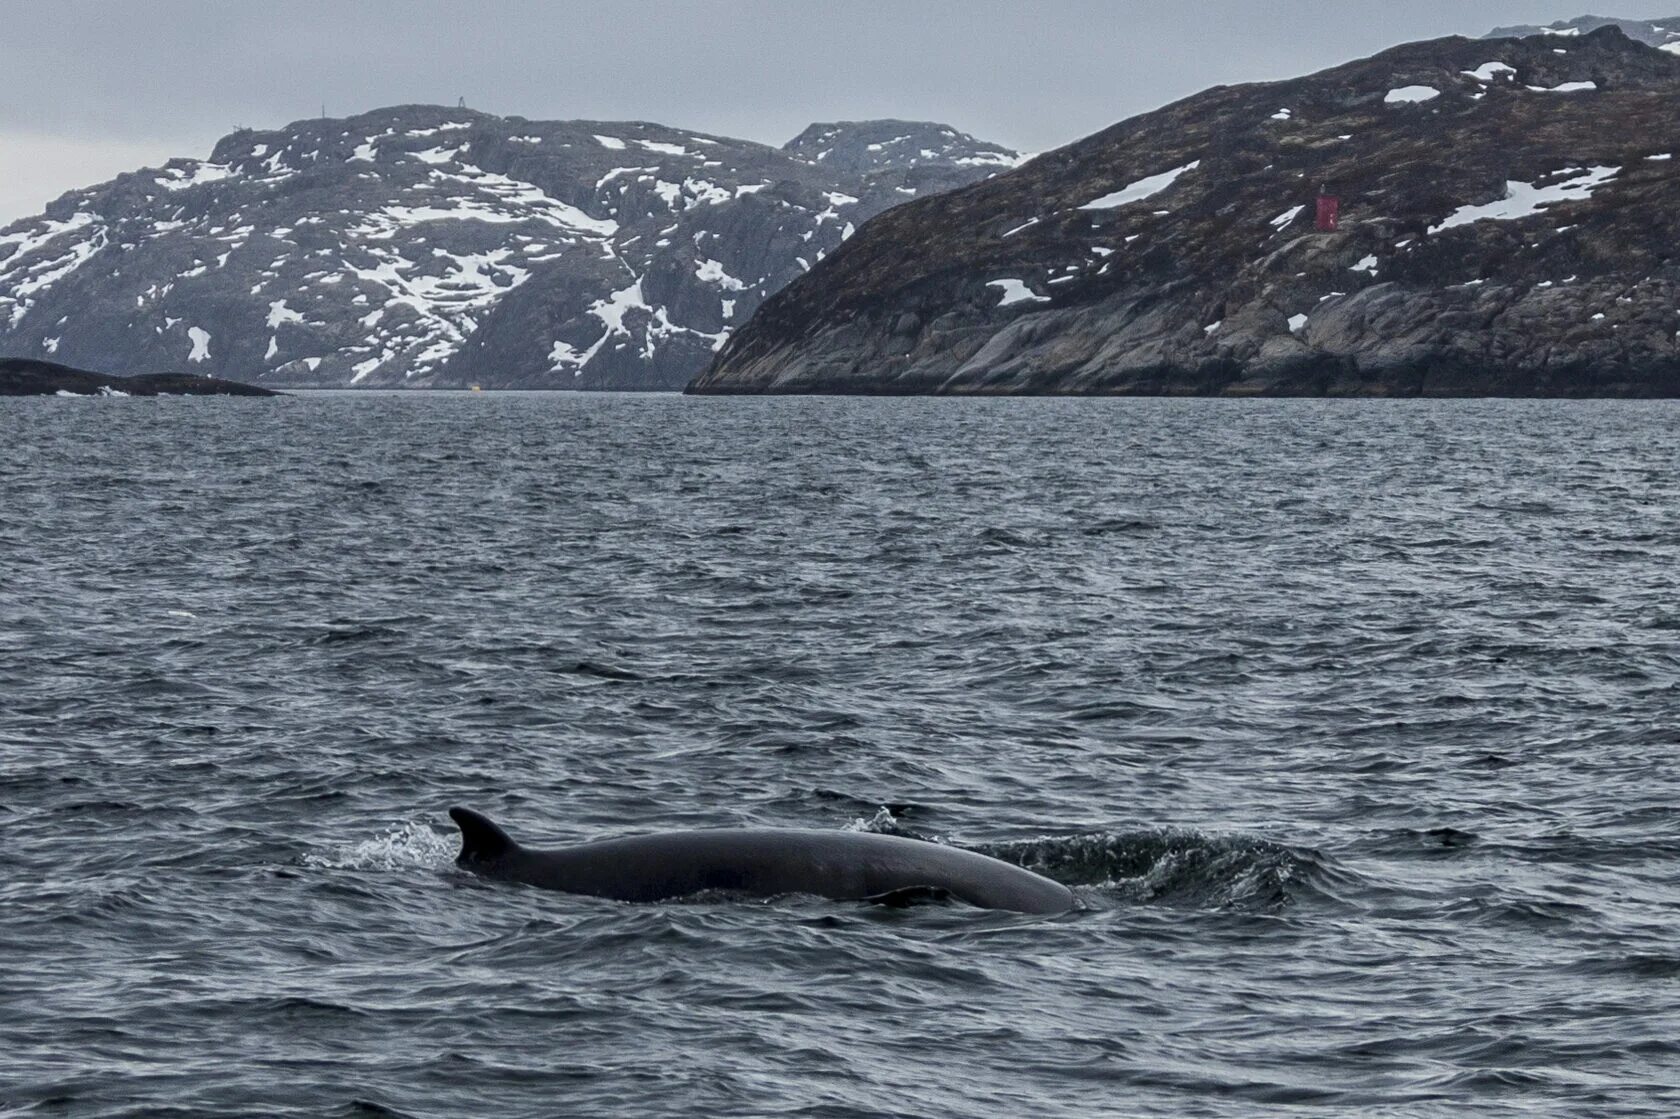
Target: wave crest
[{"x": 401, "y": 847}]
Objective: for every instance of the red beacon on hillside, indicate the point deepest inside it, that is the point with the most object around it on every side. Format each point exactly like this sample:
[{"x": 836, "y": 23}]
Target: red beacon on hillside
[{"x": 1329, "y": 211}]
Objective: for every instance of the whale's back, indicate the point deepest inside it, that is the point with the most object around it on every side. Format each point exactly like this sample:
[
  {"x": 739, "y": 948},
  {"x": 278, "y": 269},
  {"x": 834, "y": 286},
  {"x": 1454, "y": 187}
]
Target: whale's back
[{"x": 841, "y": 865}]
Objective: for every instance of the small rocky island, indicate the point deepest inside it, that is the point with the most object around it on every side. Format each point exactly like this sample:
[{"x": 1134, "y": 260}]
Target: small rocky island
[
  {"x": 1448, "y": 218},
  {"x": 24, "y": 377}
]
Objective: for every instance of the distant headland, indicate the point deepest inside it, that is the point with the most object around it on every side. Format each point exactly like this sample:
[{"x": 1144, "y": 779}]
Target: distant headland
[{"x": 26, "y": 377}]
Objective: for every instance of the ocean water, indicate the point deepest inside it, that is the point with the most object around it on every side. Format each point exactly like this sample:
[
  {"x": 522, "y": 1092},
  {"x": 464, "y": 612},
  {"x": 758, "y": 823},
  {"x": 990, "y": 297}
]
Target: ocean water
[{"x": 1353, "y": 725}]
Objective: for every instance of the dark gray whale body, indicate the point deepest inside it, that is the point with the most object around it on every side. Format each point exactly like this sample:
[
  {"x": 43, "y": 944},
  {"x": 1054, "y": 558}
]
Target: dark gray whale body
[{"x": 843, "y": 865}]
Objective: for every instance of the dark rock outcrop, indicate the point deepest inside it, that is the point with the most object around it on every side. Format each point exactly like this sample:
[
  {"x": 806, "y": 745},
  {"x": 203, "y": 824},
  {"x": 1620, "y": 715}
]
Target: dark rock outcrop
[
  {"x": 423, "y": 246},
  {"x": 25, "y": 377},
  {"x": 925, "y": 151},
  {"x": 1510, "y": 225},
  {"x": 1652, "y": 32}
]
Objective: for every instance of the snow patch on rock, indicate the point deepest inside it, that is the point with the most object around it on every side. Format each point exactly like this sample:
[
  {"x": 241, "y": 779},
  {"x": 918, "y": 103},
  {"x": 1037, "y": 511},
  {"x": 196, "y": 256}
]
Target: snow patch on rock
[
  {"x": 279, "y": 313},
  {"x": 1286, "y": 218},
  {"x": 1488, "y": 71},
  {"x": 1411, "y": 95},
  {"x": 1524, "y": 200},
  {"x": 192, "y": 174},
  {"x": 42, "y": 255},
  {"x": 711, "y": 272},
  {"x": 1014, "y": 291},
  {"x": 200, "y": 344},
  {"x": 1142, "y": 189},
  {"x": 1567, "y": 87}
]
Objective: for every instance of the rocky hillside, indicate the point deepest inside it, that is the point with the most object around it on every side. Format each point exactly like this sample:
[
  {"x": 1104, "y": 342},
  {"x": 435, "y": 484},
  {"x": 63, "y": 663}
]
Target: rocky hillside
[
  {"x": 1510, "y": 224},
  {"x": 430, "y": 247},
  {"x": 1664, "y": 33}
]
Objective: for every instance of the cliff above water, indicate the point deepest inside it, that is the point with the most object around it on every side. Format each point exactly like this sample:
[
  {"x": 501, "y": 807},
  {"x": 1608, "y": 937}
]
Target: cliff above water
[{"x": 1510, "y": 222}]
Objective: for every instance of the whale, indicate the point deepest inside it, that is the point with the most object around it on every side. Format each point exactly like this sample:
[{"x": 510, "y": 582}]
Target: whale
[{"x": 760, "y": 862}]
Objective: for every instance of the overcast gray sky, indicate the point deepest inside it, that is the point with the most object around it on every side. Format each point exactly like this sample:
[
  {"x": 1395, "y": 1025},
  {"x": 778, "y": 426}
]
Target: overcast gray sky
[{"x": 93, "y": 88}]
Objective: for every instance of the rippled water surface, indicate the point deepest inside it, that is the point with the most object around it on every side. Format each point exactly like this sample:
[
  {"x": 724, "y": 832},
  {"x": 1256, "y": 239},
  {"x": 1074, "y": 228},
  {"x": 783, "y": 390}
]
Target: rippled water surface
[{"x": 1353, "y": 724}]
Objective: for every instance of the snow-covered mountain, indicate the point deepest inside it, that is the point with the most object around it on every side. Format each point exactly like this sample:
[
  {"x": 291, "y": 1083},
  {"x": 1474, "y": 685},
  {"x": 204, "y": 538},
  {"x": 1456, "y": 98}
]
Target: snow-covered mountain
[
  {"x": 1661, "y": 33},
  {"x": 426, "y": 246}
]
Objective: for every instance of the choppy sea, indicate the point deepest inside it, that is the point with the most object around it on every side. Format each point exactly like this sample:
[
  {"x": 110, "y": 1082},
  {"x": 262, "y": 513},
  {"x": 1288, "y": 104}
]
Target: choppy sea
[{"x": 1353, "y": 724}]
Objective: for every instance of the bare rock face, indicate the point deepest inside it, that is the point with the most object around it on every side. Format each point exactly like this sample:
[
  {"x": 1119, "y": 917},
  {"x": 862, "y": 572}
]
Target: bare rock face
[
  {"x": 1663, "y": 33},
  {"x": 424, "y": 246},
  {"x": 1510, "y": 225}
]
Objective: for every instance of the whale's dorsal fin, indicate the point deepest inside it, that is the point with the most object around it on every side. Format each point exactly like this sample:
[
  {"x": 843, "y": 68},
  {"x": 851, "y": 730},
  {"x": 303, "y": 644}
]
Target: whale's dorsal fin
[{"x": 481, "y": 840}]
